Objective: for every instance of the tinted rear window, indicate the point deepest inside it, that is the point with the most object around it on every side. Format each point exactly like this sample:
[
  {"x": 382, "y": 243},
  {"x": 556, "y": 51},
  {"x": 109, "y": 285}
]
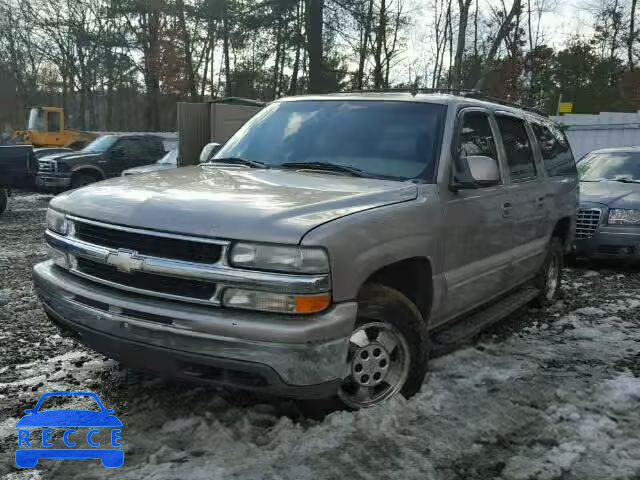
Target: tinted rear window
[
  {"x": 554, "y": 146},
  {"x": 399, "y": 140}
]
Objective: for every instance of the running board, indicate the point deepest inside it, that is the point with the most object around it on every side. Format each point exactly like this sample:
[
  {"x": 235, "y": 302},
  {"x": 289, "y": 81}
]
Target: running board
[{"x": 447, "y": 339}]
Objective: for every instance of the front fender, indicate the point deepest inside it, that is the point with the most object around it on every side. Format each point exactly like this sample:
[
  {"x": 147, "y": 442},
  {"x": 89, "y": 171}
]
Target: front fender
[{"x": 361, "y": 244}]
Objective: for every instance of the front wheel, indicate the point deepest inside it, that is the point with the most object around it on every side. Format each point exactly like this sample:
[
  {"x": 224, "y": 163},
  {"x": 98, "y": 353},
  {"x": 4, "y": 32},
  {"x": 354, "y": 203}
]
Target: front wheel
[
  {"x": 549, "y": 278},
  {"x": 388, "y": 349}
]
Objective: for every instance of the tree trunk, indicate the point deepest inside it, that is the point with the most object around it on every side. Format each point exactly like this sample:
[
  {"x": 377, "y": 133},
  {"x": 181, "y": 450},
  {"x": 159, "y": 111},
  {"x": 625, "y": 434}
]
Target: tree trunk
[
  {"x": 276, "y": 64},
  {"x": 378, "y": 78},
  {"x": 188, "y": 54},
  {"x": 293, "y": 86},
  {"x": 450, "y": 23},
  {"x": 225, "y": 46},
  {"x": 463, "y": 19},
  {"x": 314, "y": 29},
  {"x": 363, "y": 46},
  {"x": 495, "y": 45},
  {"x": 632, "y": 34}
]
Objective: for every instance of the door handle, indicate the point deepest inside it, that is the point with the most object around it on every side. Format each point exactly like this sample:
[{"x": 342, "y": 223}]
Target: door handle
[
  {"x": 507, "y": 209},
  {"x": 540, "y": 201}
]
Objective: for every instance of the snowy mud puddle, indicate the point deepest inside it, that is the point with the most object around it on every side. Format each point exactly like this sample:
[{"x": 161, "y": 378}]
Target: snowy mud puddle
[{"x": 546, "y": 394}]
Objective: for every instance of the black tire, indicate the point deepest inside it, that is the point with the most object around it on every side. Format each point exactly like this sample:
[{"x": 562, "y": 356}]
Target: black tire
[
  {"x": 554, "y": 260},
  {"x": 4, "y": 198},
  {"x": 380, "y": 303},
  {"x": 82, "y": 179}
]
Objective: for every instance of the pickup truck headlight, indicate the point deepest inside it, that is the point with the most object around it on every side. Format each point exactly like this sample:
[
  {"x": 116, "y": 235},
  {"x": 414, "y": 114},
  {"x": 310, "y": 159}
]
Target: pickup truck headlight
[
  {"x": 275, "y": 302},
  {"x": 623, "y": 216},
  {"x": 57, "y": 222},
  {"x": 279, "y": 258}
]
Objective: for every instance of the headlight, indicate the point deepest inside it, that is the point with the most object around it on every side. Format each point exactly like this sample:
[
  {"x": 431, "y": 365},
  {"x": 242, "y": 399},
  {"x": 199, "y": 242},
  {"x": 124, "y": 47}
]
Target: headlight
[
  {"x": 623, "y": 216},
  {"x": 279, "y": 258},
  {"x": 275, "y": 302},
  {"x": 57, "y": 222}
]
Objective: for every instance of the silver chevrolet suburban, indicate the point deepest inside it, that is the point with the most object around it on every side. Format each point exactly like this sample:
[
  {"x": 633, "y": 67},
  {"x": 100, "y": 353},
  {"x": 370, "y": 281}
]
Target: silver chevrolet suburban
[{"x": 325, "y": 250}]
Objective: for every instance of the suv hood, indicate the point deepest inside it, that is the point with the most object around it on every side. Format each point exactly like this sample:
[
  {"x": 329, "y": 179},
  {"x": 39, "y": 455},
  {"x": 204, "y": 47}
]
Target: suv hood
[
  {"x": 235, "y": 203},
  {"x": 611, "y": 193}
]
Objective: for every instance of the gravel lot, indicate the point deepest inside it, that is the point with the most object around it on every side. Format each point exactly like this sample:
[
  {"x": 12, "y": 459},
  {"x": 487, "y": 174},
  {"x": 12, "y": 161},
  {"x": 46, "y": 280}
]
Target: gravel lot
[{"x": 545, "y": 394}]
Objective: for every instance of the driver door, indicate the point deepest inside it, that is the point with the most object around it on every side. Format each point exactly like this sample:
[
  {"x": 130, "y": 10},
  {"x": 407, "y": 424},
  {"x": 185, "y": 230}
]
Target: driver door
[{"x": 477, "y": 223}]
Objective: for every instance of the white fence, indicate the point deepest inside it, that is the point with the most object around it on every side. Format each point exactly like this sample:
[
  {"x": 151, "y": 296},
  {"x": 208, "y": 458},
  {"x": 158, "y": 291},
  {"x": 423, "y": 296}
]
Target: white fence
[{"x": 607, "y": 129}]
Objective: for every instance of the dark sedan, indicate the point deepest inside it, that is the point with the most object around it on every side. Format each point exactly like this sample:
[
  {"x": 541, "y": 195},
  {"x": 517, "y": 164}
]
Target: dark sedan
[{"x": 608, "y": 224}]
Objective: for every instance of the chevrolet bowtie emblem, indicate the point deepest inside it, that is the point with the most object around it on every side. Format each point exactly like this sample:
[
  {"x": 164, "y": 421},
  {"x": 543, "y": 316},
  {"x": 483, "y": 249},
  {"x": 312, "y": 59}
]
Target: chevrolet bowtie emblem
[{"x": 125, "y": 261}]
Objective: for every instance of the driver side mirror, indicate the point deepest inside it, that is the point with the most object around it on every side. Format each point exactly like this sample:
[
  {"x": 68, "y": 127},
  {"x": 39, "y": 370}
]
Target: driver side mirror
[{"x": 478, "y": 171}]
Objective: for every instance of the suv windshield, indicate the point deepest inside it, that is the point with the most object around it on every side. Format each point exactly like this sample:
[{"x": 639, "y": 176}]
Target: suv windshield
[
  {"x": 386, "y": 139},
  {"x": 101, "y": 144},
  {"x": 619, "y": 166}
]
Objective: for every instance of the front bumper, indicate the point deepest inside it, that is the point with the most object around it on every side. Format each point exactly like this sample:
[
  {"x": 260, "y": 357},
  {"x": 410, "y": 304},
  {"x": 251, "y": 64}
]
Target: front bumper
[
  {"x": 53, "y": 181},
  {"x": 611, "y": 242},
  {"x": 302, "y": 357}
]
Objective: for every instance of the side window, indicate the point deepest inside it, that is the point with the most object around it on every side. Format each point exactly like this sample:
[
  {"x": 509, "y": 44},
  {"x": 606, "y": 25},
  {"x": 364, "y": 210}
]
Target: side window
[
  {"x": 476, "y": 137},
  {"x": 522, "y": 165},
  {"x": 556, "y": 152},
  {"x": 53, "y": 121},
  {"x": 132, "y": 147}
]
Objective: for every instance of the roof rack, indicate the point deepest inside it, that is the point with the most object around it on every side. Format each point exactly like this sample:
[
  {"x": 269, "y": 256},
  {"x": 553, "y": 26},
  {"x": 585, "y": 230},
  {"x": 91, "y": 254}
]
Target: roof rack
[{"x": 461, "y": 92}]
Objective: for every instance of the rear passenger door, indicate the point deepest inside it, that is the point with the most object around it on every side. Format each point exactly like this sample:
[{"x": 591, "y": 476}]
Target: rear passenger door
[
  {"x": 560, "y": 168},
  {"x": 527, "y": 212},
  {"x": 475, "y": 265}
]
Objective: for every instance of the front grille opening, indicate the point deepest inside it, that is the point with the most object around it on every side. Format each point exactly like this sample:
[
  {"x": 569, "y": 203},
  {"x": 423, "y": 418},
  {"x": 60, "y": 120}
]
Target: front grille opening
[
  {"x": 222, "y": 375},
  {"x": 147, "y": 281},
  {"x": 150, "y": 317},
  {"x": 587, "y": 222},
  {"x": 154, "y": 245},
  {"x": 92, "y": 303},
  {"x": 616, "y": 250}
]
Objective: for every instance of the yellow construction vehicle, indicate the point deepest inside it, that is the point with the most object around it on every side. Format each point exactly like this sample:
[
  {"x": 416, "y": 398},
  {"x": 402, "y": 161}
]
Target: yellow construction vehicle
[{"x": 46, "y": 129}]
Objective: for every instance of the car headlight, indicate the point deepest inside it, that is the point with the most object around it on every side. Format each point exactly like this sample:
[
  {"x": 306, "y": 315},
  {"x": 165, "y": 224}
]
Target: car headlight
[
  {"x": 275, "y": 302},
  {"x": 624, "y": 216},
  {"x": 279, "y": 258},
  {"x": 57, "y": 222}
]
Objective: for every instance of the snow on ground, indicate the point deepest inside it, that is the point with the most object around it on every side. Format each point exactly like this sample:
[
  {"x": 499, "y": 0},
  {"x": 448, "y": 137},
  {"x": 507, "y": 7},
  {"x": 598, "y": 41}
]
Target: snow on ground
[{"x": 546, "y": 394}]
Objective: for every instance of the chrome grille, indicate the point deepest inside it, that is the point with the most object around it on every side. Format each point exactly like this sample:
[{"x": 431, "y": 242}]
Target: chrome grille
[
  {"x": 587, "y": 222},
  {"x": 46, "y": 166},
  {"x": 146, "y": 243}
]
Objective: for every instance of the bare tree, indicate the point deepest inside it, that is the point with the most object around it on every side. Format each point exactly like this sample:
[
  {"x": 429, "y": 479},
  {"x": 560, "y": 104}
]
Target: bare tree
[{"x": 505, "y": 26}]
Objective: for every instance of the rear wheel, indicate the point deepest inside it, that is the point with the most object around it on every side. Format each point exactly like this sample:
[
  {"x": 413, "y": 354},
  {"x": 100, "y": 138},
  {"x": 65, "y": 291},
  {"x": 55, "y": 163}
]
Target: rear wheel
[
  {"x": 4, "y": 198},
  {"x": 550, "y": 275},
  {"x": 82, "y": 179}
]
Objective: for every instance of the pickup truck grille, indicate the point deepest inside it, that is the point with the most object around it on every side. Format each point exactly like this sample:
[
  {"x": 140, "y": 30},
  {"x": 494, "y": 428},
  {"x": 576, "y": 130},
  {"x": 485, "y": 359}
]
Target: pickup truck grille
[
  {"x": 149, "y": 244},
  {"x": 587, "y": 222},
  {"x": 195, "y": 289},
  {"x": 46, "y": 166}
]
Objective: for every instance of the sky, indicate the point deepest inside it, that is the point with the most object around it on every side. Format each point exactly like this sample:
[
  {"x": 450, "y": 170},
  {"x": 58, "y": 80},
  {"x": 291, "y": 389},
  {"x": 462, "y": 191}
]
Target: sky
[{"x": 565, "y": 19}]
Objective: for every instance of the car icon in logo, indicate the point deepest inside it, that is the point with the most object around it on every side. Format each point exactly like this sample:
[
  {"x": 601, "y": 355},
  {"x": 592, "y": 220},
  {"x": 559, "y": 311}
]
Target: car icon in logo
[{"x": 28, "y": 453}]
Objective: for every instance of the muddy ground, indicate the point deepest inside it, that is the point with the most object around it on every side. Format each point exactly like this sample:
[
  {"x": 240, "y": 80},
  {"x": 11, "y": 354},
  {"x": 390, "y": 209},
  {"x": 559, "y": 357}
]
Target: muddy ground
[{"x": 544, "y": 394}]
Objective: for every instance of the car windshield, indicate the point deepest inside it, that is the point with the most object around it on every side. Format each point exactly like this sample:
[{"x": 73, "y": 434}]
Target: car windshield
[
  {"x": 617, "y": 166},
  {"x": 385, "y": 139},
  {"x": 100, "y": 144},
  {"x": 170, "y": 158}
]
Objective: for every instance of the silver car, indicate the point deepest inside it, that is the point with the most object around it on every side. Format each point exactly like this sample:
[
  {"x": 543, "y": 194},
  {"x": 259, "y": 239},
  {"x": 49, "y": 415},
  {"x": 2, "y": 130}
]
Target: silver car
[
  {"x": 324, "y": 250},
  {"x": 609, "y": 217}
]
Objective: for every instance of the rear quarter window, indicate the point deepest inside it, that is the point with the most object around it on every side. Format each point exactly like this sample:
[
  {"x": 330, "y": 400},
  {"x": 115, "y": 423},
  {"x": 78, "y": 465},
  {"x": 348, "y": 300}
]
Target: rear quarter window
[{"x": 554, "y": 146}]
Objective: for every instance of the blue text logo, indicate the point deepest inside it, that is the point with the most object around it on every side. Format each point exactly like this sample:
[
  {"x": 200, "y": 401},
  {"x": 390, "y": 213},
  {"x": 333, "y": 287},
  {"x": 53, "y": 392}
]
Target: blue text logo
[{"x": 36, "y": 436}]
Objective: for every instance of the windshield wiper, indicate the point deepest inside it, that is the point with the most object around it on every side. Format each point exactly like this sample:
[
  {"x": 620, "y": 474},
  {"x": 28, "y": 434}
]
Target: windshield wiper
[
  {"x": 238, "y": 161},
  {"x": 330, "y": 167},
  {"x": 625, "y": 180}
]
